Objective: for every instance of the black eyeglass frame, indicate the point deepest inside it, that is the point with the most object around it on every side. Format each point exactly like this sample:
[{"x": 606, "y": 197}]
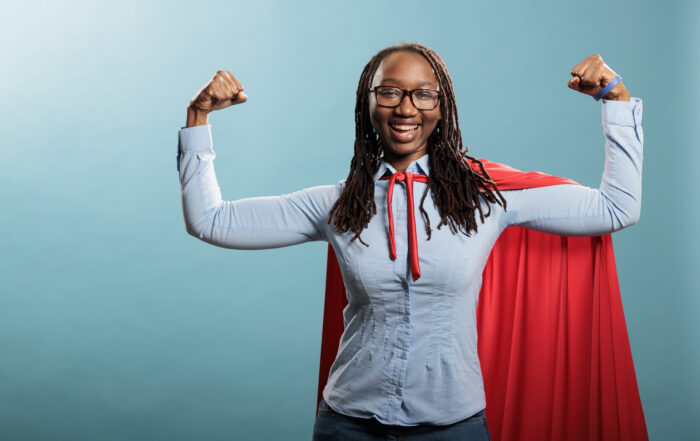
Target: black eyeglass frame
[{"x": 403, "y": 95}]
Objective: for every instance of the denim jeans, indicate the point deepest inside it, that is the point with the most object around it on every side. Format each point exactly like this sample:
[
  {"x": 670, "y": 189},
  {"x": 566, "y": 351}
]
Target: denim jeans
[{"x": 333, "y": 426}]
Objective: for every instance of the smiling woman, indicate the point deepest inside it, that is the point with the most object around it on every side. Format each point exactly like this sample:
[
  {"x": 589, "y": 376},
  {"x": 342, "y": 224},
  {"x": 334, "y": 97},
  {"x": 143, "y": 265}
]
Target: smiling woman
[
  {"x": 407, "y": 360},
  {"x": 412, "y": 67},
  {"x": 395, "y": 115}
]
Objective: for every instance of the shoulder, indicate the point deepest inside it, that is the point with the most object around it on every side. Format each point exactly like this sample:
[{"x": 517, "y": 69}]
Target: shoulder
[
  {"x": 322, "y": 191},
  {"x": 321, "y": 196}
]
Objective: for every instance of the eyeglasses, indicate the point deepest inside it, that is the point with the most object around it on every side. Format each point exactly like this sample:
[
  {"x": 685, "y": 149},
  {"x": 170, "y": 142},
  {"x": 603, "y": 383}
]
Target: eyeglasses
[{"x": 422, "y": 99}]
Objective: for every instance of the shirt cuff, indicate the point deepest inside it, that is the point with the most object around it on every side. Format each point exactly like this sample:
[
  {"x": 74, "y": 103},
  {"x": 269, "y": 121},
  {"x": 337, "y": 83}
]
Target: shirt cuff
[
  {"x": 197, "y": 138},
  {"x": 623, "y": 113}
]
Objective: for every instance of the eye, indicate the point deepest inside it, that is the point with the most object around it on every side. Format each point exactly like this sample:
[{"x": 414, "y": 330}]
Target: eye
[
  {"x": 425, "y": 94},
  {"x": 388, "y": 92}
]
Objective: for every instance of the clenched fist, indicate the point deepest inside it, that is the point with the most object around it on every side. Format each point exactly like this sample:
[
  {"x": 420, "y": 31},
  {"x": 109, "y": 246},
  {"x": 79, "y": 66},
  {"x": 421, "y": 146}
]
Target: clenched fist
[
  {"x": 222, "y": 91},
  {"x": 591, "y": 76}
]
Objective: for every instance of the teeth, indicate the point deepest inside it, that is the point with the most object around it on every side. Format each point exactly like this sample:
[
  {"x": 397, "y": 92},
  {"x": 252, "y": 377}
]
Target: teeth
[{"x": 403, "y": 127}]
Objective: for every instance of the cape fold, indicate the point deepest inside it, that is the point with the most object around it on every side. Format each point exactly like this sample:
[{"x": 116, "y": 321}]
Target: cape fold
[{"x": 552, "y": 338}]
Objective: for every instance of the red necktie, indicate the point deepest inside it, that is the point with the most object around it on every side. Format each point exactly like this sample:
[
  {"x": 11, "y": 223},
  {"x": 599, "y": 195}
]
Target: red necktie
[{"x": 412, "y": 239}]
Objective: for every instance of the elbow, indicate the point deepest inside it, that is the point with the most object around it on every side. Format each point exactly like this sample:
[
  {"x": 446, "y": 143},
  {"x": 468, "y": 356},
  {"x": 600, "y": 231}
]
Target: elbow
[
  {"x": 622, "y": 212},
  {"x": 633, "y": 218},
  {"x": 199, "y": 224},
  {"x": 635, "y": 211},
  {"x": 196, "y": 228},
  {"x": 630, "y": 217},
  {"x": 205, "y": 230},
  {"x": 191, "y": 230}
]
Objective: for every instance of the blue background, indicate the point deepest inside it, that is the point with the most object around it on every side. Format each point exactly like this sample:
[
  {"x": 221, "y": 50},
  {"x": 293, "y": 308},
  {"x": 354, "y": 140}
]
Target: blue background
[{"x": 117, "y": 325}]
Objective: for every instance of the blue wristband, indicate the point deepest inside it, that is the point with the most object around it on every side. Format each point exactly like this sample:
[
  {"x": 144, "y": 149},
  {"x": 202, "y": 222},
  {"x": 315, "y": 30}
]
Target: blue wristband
[{"x": 607, "y": 88}]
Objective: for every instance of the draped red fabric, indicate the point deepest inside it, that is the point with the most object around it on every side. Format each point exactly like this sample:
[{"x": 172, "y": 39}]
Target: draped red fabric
[{"x": 553, "y": 342}]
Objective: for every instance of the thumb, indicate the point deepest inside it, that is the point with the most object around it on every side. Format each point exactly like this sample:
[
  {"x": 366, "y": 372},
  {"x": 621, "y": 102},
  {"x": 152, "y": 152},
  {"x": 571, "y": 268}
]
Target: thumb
[
  {"x": 238, "y": 99},
  {"x": 574, "y": 83},
  {"x": 241, "y": 98}
]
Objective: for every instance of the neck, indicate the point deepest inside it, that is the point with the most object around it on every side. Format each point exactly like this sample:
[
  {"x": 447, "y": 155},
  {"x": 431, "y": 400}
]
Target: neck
[{"x": 401, "y": 163}]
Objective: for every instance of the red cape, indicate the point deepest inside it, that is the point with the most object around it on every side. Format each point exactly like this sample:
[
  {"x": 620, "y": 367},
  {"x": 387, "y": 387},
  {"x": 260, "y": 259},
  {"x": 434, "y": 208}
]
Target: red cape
[{"x": 553, "y": 343}]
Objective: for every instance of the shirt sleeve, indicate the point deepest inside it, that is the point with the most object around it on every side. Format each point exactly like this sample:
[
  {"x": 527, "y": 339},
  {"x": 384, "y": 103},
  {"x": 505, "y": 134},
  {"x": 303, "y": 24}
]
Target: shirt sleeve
[
  {"x": 250, "y": 223},
  {"x": 576, "y": 210}
]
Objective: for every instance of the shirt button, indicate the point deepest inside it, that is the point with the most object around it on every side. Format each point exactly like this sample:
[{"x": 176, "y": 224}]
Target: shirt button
[
  {"x": 403, "y": 355},
  {"x": 405, "y": 318},
  {"x": 398, "y": 391}
]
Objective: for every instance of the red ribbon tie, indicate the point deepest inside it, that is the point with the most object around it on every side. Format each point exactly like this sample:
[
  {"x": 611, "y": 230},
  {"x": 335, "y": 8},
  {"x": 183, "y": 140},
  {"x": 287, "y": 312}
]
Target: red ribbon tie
[{"x": 412, "y": 239}]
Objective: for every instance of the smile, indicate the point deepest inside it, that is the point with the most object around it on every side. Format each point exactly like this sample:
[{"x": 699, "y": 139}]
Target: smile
[
  {"x": 404, "y": 128},
  {"x": 404, "y": 133}
]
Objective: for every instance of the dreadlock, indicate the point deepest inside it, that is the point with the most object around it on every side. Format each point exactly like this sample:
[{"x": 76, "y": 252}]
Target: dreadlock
[{"x": 457, "y": 189}]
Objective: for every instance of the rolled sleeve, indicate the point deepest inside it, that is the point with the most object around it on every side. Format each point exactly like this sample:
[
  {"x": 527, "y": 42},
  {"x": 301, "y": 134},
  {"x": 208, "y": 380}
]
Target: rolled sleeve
[
  {"x": 194, "y": 139},
  {"x": 618, "y": 112}
]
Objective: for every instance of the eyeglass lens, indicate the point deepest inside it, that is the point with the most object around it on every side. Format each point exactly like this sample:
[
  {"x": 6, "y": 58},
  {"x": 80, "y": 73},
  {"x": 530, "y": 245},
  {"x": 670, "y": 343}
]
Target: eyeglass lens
[{"x": 423, "y": 99}]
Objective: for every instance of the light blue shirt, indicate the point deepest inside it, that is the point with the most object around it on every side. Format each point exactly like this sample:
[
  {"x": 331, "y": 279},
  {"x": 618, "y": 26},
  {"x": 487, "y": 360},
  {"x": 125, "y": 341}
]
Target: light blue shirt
[{"x": 408, "y": 354}]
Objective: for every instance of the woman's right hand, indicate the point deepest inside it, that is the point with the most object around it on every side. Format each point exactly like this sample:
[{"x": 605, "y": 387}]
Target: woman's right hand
[{"x": 222, "y": 91}]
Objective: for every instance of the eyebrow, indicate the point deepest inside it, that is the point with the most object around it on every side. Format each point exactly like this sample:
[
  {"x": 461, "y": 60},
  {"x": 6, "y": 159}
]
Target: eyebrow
[{"x": 395, "y": 80}]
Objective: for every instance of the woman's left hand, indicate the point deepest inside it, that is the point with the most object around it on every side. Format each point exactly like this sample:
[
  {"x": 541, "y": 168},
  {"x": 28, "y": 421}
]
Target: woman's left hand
[{"x": 591, "y": 75}]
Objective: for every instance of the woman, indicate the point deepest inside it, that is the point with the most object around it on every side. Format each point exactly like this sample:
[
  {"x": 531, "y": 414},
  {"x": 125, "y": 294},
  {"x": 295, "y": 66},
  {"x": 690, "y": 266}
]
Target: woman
[{"x": 406, "y": 365}]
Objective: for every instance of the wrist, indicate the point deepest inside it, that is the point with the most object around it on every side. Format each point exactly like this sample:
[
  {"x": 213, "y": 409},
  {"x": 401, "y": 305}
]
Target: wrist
[
  {"x": 196, "y": 117},
  {"x": 618, "y": 93}
]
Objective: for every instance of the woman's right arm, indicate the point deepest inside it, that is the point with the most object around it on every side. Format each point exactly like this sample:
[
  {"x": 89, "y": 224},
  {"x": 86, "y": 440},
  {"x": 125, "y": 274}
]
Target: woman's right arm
[{"x": 251, "y": 223}]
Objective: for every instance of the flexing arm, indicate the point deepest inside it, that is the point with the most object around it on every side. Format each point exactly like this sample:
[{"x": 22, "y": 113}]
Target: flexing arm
[
  {"x": 582, "y": 211},
  {"x": 251, "y": 223}
]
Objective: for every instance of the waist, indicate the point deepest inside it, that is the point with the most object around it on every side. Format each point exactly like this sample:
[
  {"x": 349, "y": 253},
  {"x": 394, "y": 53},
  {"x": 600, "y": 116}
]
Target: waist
[{"x": 415, "y": 429}]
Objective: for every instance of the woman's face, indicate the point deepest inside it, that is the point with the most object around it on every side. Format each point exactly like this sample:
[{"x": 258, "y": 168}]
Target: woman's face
[{"x": 407, "y": 70}]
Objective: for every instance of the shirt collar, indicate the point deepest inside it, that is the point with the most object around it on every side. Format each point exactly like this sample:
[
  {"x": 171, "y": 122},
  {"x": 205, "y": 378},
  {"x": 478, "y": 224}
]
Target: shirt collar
[{"x": 419, "y": 166}]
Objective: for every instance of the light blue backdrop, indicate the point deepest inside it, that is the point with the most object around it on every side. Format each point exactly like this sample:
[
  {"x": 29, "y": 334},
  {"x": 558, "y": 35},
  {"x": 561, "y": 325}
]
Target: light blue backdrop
[{"x": 117, "y": 325}]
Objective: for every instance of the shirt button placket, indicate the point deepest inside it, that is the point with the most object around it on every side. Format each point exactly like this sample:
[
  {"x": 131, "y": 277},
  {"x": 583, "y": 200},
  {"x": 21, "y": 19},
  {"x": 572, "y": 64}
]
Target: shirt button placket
[{"x": 403, "y": 301}]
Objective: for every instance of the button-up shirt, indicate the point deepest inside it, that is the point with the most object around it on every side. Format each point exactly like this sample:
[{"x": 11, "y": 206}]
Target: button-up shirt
[{"x": 408, "y": 354}]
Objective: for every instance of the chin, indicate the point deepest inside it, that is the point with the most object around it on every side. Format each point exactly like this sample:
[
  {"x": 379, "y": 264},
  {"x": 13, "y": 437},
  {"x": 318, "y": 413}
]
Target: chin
[{"x": 402, "y": 149}]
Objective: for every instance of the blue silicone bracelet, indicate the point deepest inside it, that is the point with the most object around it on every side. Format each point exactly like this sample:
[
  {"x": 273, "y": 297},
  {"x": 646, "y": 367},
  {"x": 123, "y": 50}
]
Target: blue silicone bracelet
[{"x": 607, "y": 88}]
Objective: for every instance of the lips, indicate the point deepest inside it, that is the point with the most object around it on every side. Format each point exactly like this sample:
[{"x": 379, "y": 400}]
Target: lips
[
  {"x": 404, "y": 127},
  {"x": 404, "y": 132}
]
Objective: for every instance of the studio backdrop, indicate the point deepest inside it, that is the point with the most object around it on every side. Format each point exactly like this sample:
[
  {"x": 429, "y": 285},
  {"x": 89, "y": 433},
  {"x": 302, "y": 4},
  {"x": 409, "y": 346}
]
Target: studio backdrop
[{"x": 115, "y": 324}]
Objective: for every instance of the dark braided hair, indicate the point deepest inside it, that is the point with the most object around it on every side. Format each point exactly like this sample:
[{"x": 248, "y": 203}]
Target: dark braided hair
[{"x": 457, "y": 189}]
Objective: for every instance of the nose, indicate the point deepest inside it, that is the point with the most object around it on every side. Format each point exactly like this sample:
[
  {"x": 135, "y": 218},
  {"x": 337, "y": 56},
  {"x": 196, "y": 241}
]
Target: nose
[{"x": 406, "y": 107}]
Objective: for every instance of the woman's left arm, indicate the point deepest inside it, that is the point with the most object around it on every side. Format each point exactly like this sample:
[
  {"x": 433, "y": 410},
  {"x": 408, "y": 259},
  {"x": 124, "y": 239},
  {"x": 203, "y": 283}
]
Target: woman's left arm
[{"x": 576, "y": 210}]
